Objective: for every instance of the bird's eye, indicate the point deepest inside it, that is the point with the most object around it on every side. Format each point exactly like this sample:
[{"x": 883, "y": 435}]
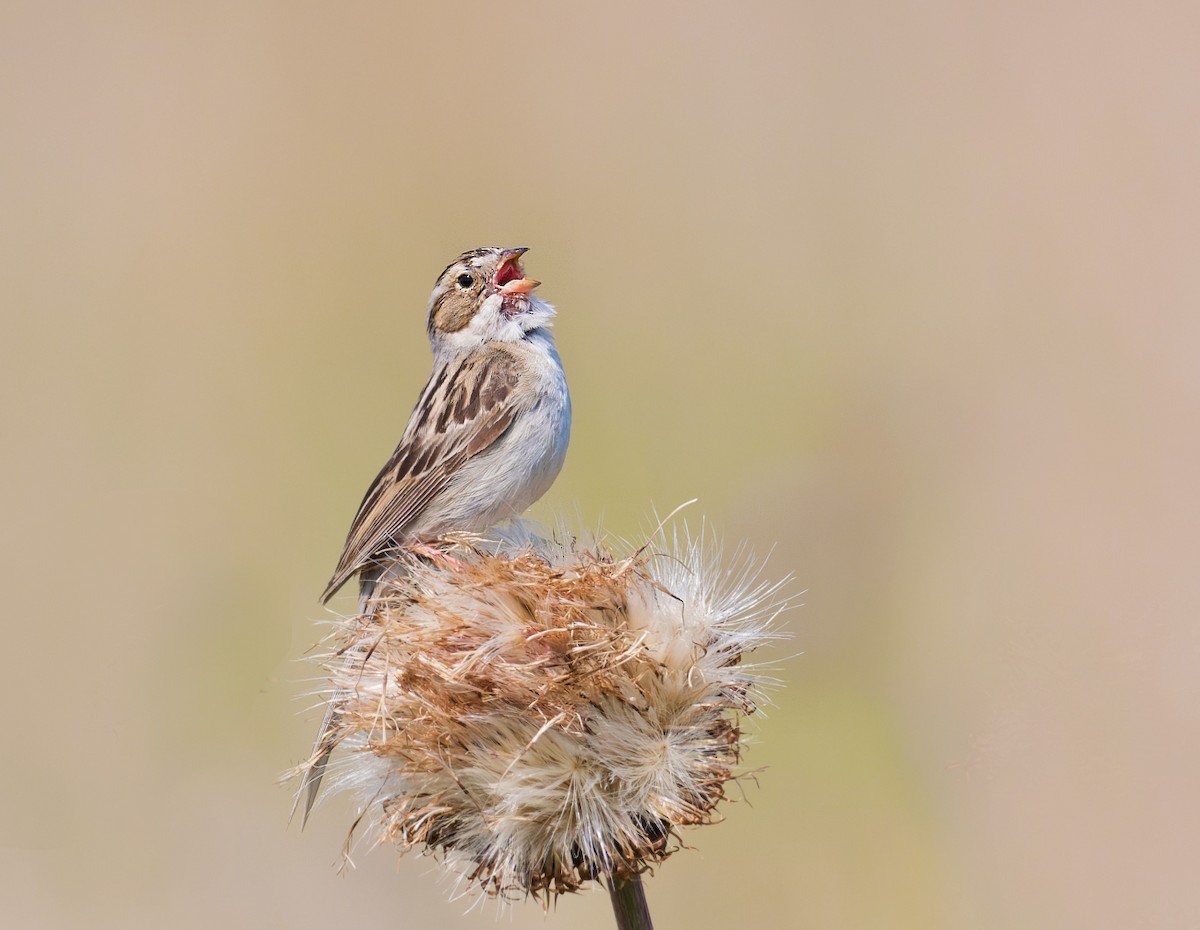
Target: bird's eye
[{"x": 464, "y": 281}]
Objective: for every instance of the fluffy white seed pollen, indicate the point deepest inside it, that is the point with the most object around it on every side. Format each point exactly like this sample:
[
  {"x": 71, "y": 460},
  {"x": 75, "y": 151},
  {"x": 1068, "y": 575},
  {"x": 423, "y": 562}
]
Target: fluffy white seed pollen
[{"x": 543, "y": 714}]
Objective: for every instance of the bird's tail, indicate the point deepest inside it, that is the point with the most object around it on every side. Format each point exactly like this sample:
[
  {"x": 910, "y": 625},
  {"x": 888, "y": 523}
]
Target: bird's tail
[{"x": 330, "y": 734}]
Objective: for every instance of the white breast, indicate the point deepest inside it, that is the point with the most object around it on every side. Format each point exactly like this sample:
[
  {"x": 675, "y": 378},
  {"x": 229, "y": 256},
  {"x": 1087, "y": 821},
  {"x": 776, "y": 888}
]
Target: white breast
[{"x": 520, "y": 467}]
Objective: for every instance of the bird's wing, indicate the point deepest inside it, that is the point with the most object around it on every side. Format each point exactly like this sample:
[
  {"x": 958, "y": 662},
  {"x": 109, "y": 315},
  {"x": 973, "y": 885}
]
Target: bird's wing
[{"x": 466, "y": 406}]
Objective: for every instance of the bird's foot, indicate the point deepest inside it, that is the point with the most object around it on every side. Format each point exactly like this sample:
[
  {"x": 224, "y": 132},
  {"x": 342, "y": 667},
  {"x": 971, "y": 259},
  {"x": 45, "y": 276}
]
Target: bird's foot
[{"x": 436, "y": 555}]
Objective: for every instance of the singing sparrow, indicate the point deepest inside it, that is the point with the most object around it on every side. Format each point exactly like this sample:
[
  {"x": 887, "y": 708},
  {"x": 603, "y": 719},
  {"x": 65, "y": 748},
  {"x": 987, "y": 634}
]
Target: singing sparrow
[{"x": 486, "y": 439}]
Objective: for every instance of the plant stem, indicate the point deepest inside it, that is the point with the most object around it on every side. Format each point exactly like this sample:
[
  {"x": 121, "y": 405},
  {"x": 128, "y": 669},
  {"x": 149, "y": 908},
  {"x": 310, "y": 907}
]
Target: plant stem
[{"x": 629, "y": 904}]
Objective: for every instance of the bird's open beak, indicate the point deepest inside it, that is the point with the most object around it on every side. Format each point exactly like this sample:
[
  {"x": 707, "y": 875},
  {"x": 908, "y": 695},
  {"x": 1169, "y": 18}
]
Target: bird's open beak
[
  {"x": 510, "y": 279},
  {"x": 519, "y": 286}
]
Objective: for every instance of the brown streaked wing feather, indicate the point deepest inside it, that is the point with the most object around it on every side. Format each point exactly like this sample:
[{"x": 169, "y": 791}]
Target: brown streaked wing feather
[{"x": 458, "y": 416}]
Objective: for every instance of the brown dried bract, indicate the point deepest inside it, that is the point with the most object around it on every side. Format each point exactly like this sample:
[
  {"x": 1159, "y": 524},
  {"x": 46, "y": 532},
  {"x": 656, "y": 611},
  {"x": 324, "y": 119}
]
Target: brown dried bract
[{"x": 547, "y": 715}]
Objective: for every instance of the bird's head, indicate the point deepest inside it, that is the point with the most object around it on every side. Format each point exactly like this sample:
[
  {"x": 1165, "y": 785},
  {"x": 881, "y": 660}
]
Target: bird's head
[{"x": 484, "y": 296}]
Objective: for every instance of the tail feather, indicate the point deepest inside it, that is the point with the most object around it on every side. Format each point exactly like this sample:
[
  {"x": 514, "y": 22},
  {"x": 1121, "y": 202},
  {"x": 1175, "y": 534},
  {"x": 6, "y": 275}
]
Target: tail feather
[
  {"x": 329, "y": 735},
  {"x": 327, "y": 740}
]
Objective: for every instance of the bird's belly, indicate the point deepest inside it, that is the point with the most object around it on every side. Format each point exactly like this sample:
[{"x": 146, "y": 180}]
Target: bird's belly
[{"x": 505, "y": 480}]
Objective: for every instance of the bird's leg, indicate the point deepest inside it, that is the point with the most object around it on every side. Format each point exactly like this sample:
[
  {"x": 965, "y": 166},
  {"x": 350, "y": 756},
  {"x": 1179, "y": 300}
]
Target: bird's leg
[{"x": 435, "y": 555}]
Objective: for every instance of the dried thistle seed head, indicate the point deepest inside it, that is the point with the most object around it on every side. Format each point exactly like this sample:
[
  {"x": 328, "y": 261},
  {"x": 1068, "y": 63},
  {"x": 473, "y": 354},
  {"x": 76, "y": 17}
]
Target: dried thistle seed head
[{"x": 544, "y": 714}]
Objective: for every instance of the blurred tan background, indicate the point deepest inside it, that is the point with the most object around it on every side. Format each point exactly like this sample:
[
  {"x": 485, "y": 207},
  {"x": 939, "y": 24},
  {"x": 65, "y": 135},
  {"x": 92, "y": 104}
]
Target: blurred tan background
[{"x": 907, "y": 291}]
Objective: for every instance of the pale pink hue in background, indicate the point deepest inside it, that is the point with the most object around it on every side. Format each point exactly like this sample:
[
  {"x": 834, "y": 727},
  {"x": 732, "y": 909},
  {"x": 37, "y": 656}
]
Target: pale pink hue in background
[{"x": 911, "y": 291}]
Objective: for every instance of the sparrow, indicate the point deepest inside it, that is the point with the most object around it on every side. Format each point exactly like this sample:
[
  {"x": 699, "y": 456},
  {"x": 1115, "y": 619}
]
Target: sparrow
[{"x": 486, "y": 439}]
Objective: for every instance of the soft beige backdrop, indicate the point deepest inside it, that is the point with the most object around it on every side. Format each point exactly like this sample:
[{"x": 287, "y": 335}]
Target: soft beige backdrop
[{"x": 907, "y": 291}]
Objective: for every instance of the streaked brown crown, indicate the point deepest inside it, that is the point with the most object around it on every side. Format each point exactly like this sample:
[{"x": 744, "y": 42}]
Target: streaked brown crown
[{"x": 469, "y": 280}]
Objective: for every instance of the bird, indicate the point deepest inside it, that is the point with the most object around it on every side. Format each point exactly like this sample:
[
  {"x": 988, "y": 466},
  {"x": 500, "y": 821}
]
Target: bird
[{"x": 486, "y": 439}]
